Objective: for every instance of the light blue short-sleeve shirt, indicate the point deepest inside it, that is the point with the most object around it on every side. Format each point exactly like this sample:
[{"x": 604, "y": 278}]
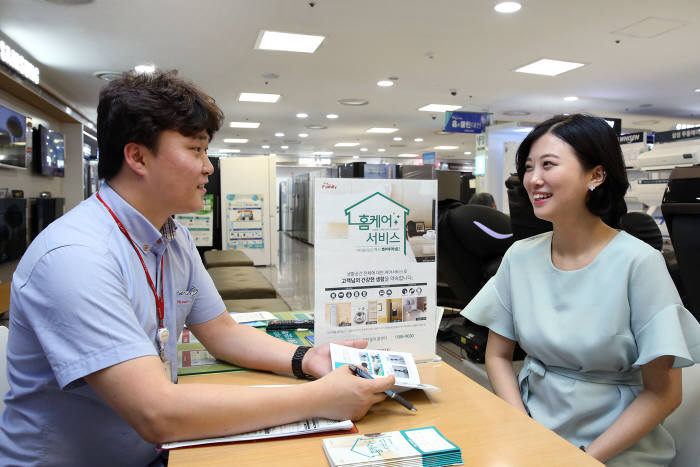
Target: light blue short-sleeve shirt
[{"x": 80, "y": 302}]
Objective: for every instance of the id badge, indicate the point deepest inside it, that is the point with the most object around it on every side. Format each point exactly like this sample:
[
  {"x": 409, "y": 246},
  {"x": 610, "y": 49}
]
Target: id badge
[{"x": 168, "y": 368}]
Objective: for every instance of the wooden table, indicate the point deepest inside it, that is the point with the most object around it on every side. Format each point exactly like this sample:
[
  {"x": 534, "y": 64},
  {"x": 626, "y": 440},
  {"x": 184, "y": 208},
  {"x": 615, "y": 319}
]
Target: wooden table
[{"x": 489, "y": 431}]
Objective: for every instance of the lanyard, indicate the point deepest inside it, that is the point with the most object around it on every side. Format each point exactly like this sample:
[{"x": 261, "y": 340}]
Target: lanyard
[{"x": 160, "y": 307}]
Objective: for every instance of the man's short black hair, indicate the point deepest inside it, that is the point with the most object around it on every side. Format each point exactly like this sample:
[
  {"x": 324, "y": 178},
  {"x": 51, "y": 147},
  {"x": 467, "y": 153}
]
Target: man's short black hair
[
  {"x": 595, "y": 143},
  {"x": 138, "y": 107}
]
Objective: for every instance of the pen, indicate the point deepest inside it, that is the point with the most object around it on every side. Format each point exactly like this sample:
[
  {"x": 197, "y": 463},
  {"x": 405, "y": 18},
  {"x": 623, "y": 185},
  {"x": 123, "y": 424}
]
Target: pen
[{"x": 392, "y": 395}]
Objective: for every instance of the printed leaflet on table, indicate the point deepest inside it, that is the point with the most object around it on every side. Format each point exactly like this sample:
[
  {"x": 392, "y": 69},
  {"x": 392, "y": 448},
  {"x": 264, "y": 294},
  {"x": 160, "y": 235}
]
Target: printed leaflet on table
[
  {"x": 303, "y": 427},
  {"x": 375, "y": 245},
  {"x": 419, "y": 447}
]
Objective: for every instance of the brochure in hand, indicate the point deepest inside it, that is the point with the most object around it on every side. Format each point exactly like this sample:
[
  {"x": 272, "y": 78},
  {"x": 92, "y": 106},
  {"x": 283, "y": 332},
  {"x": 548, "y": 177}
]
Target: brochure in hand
[
  {"x": 382, "y": 363},
  {"x": 415, "y": 447}
]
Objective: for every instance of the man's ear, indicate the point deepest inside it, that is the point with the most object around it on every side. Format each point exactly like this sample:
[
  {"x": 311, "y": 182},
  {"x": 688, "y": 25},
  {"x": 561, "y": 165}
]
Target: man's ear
[{"x": 135, "y": 158}]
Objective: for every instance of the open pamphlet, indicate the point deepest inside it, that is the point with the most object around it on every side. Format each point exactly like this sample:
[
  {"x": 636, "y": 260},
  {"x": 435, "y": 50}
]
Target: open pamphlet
[
  {"x": 303, "y": 427},
  {"x": 382, "y": 363},
  {"x": 419, "y": 447}
]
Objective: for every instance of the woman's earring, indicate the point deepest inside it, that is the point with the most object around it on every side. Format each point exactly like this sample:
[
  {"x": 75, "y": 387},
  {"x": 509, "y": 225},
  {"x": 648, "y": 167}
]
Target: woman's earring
[{"x": 591, "y": 186}]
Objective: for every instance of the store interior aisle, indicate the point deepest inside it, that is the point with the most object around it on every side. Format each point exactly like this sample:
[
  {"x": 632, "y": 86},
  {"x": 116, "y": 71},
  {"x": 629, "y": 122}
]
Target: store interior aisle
[{"x": 293, "y": 276}]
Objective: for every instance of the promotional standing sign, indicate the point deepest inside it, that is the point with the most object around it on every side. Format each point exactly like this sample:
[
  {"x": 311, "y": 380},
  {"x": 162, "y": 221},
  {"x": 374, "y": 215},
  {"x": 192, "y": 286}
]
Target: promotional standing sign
[
  {"x": 200, "y": 224},
  {"x": 375, "y": 245}
]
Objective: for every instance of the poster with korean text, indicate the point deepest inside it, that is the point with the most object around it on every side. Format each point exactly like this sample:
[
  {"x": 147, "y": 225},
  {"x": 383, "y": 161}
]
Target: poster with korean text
[
  {"x": 200, "y": 224},
  {"x": 244, "y": 218},
  {"x": 375, "y": 270}
]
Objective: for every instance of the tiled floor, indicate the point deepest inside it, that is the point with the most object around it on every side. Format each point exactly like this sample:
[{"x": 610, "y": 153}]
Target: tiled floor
[{"x": 293, "y": 277}]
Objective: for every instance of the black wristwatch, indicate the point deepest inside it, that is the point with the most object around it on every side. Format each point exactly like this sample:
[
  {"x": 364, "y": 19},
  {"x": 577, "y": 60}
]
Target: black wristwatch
[{"x": 296, "y": 362}]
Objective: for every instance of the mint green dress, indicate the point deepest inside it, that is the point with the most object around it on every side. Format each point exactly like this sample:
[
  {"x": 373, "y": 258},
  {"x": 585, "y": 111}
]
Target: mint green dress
[{"x": 587, "y": 332}]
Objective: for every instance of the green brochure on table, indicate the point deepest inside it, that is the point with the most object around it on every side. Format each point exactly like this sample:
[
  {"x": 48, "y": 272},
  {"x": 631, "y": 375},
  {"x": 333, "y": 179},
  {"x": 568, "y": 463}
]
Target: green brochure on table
[{"x": 194, "y": 359}]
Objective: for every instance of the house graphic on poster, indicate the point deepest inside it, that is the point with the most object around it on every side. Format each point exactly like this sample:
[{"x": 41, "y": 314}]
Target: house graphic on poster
[{"x": 383, "y": 219}]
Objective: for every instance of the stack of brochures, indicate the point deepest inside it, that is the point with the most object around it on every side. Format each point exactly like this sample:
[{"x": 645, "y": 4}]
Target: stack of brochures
[{"x": 416, "y": 447}]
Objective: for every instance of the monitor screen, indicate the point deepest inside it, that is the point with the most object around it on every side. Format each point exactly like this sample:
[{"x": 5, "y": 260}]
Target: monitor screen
[
  {"x": 13, "y": 138},
  {"x": 48, "y": 152}
]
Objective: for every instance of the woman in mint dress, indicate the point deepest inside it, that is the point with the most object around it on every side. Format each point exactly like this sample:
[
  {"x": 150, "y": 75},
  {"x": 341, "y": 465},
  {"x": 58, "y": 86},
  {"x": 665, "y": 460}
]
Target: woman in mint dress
[{"x": 595, "y": 309}]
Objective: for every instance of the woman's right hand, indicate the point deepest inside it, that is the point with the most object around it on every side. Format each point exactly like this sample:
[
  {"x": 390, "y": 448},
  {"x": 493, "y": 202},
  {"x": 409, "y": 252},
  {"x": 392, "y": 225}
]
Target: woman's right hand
[{"x": 340, "y": 395}]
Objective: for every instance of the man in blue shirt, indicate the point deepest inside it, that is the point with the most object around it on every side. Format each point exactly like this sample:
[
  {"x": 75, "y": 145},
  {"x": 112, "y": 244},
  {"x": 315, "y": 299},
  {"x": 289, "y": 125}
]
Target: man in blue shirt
[{"x": 100, "y": 297}]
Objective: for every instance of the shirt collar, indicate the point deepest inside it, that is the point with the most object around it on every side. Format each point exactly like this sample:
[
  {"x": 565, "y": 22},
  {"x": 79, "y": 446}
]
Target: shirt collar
[{"x": 146, "y": 237}]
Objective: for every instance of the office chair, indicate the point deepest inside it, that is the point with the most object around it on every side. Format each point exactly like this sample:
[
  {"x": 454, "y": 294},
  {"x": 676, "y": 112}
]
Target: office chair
[
  {"x": 471, "y": 243},
  {"x": 681, "y": 210}
]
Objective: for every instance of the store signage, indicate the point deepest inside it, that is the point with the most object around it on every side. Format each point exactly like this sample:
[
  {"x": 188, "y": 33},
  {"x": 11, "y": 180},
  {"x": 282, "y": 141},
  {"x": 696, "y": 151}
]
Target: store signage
[
  {"x": 480, "y": 164},
  {"x": 16, "y": 61},
  {"x": 374, "y": 248},
  {"x": 676, "y": 135},
  {"x": 481, "y": 142},
  {"x": 429, "y": 158},
  {"x": 636, "y": 137},
  {"x": 615, "y": 124},
  {"x": 465, "y": 122}
]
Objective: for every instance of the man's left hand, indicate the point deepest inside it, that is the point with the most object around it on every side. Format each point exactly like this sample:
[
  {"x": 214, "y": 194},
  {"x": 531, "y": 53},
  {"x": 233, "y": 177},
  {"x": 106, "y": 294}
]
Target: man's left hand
[{"x": 317, "y": 361}]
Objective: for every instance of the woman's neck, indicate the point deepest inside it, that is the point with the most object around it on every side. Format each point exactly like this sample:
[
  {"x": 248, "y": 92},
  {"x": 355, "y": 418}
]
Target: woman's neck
[{"x": 576, "y": 244}]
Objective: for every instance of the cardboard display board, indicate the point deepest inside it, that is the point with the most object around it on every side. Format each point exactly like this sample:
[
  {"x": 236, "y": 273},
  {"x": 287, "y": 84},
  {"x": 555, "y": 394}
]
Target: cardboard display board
[{"x": 375, "y": 263}]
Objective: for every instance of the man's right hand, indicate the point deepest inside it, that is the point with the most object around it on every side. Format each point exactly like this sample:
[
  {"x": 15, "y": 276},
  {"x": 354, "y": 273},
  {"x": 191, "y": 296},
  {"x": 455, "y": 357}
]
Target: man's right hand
[{"x": 341, "y": 395}]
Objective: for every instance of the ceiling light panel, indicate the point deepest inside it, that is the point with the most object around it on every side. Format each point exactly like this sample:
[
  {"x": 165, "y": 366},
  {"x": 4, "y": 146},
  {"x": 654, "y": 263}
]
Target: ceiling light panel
[
  {"x": 288, "y": 42},
  {"x": 236, "y": 140},
  {"x": 229, "y": 151},
  {"x": 346, "y": 145},
  {"x": 408, "y": 155},
  {"x": 302, "y": 115},
  {"x": 385, "y": 83},
  {"x": 332, "y": 116},
  {"x": 549, "y": 67},
  {"x": 439, "y": 108},
  {"x": 507, "y": 7},
  {"x": 258, "y": 97},
  {"x": 145, "y": 68},
  {"x": 382, "y": 130},
  {"x": 445, "y": 147},
  {"x": 244, "y": 124}
]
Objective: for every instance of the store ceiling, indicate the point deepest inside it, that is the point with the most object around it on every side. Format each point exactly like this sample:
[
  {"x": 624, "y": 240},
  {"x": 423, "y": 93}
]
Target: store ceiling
[{"x": 640, "y": 55}]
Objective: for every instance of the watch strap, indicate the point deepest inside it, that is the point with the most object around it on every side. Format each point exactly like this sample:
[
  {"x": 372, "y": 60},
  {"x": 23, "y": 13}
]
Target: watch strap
[{"x": 296, "y": 362}]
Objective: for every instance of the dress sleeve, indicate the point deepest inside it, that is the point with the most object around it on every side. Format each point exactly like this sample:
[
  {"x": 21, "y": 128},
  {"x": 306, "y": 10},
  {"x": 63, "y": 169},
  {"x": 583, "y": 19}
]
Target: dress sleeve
[
  {"x": 660, "y": 323},
  {"x": 491, "y": 307}
]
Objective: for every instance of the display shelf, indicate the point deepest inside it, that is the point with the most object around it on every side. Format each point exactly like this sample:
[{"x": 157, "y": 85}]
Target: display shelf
[{"x": 14, "y": 87}]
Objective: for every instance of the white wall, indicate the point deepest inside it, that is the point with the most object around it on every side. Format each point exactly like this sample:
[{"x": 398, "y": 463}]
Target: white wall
[{"x": 250, "y": 176}]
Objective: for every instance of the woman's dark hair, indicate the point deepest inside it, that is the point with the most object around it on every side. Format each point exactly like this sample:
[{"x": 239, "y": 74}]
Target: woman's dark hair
[
  {"x": 594, "y": 143},
  {"x": 138, "y": 107}
]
